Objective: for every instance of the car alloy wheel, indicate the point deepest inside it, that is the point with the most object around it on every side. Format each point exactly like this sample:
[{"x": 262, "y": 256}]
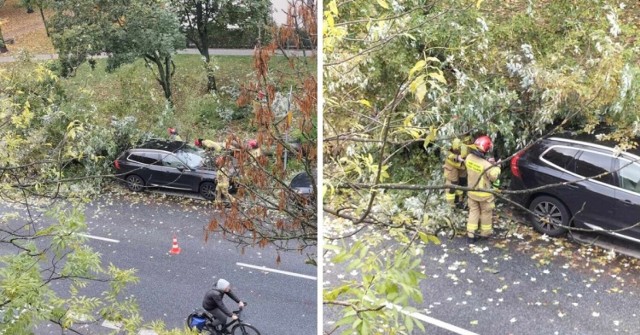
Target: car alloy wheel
[
  {"x": 550, "y": 216},
  {"x": 208, "y": 190},
  {"x": 135, "y": 183}
]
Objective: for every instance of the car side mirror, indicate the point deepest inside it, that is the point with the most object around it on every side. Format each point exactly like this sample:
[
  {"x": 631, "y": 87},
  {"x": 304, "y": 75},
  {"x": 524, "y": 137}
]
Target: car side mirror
[{"x": 181, "y": 168}]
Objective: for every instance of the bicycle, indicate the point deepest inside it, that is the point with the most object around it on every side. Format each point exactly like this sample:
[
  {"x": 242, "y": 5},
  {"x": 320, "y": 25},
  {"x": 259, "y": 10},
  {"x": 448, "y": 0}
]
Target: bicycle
[{"x": 202, "y": 322}]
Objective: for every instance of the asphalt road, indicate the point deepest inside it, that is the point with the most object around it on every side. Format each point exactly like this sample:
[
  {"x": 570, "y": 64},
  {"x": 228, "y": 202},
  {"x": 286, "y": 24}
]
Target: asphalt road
[
  {"x": 172, "y": 286},
  {"x": 524, "y": 284}
]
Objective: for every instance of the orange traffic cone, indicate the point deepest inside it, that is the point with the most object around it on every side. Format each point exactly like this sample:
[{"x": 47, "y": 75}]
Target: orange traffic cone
[{"x": 175, "y": 249}]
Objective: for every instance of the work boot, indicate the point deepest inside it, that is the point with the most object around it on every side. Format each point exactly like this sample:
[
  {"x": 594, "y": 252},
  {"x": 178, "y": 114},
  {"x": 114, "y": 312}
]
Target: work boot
[{"x": 471, "y": 239}]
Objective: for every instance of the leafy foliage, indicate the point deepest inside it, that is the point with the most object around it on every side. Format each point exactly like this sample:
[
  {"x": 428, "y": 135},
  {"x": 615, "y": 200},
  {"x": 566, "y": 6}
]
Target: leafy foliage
[
  {"x": 401, "y": 79},
  {"x": 268, "y": 211},
  {"x": 126, "y": 31}
]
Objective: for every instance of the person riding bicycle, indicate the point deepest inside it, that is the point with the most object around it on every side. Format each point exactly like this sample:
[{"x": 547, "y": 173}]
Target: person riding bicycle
[{"x": 213, "y": 303}]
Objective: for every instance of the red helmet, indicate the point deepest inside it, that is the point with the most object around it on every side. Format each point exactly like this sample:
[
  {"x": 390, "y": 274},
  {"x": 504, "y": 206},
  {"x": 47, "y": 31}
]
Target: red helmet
[
  {"x": 172, "y": 131},
  {"x": 483, "y": 143},
  {"x": 198, "y": 142},
  {"x": 252, "y": 144}
]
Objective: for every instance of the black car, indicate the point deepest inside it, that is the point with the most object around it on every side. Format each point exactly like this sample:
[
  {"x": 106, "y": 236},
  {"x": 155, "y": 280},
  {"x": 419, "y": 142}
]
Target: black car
[
  {"x": 579, "y": 182},
  {"x": 169, "y": 164},
  {"x": 302, "y": 185}
]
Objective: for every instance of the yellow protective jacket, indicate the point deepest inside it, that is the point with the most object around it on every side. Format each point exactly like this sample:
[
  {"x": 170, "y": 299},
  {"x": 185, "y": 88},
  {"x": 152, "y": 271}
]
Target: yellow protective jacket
[
  {"x": 480, "y": 175},
  {"x": 458, "y": 148},
  {"x": 211, "y": 145},
  {"x": 222, "y": 178}
]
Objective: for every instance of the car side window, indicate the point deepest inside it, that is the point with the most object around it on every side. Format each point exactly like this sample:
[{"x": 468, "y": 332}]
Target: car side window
[
  {"x": 560, "y": 156},
  {"x": 590, "y": 164},
  {"x": 143, "y": 158},
  {"x": 629, "y": 175},
  {"x": 171, "y": 161}
]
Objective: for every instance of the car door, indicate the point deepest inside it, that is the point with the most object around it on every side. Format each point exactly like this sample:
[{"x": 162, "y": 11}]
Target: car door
[
  {"x": 627, "y": 213},
  {"x": 176, "y": 174},
  {"x": 146, "y": 166},
  {"x": 593, "y": 200}
]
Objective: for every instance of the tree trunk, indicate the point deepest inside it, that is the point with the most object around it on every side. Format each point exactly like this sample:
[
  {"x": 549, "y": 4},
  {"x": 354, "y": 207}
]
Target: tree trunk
[
  {"x": 46, "y": 26},
  {"x": 3, "y": 46},
  {"x": 203, "y": 47},
  {"x": 208, "y": 67},
  {"x": 164, "y": 75}
]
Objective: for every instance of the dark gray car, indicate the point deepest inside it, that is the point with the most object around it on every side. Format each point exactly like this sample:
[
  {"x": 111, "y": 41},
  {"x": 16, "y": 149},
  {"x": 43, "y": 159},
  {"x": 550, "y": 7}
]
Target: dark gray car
[
  {"x": 579, "y": 182},
  {"x": 168, "y": 164}
]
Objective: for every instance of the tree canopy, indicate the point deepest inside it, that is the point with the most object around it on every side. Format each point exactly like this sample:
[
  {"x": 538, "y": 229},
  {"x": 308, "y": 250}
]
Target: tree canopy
[{"x": 125, "y": 31}]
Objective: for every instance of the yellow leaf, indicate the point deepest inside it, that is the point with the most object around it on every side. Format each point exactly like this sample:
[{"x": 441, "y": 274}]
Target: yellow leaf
[
  {"x": 438, "y": 76},
  {"x": 419, "y": 66},
  {"x": 478, "y": 3},
  {"x": 408, "y": 119},
  {"x": 365, "y": 102},
  {"x": 333, "y": 7},
  {"x": 383, "y": 4}
]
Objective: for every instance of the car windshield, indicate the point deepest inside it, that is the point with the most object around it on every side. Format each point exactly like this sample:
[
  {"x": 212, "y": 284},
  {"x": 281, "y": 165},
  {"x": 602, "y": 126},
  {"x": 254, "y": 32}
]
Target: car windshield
[{"x": 192, "y": 159}]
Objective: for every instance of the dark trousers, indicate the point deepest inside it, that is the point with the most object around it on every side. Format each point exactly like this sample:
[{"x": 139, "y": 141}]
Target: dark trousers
[{"x": 220, "y": 317}]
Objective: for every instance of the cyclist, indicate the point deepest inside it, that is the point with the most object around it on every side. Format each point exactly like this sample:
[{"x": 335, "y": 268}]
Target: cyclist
[{"x": 213, "y": 303}]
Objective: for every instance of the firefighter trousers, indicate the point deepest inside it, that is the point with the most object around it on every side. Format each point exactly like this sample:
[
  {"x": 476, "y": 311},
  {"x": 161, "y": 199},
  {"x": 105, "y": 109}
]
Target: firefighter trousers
[
  {"x": 480, "y": 212},
  {"x": 223, "y": 189}
]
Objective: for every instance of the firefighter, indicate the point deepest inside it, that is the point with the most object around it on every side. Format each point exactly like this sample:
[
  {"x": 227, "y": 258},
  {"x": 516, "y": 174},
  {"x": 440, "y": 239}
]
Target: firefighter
[
  {"x": 455, "y": 172},
  {"x": 222, "y": 187},
  {"x": 209, "y": 145},
  {"x": 254, "y": 150},
  {"x": 483, "y": 173},
  {"x": 173, "y": 134}
]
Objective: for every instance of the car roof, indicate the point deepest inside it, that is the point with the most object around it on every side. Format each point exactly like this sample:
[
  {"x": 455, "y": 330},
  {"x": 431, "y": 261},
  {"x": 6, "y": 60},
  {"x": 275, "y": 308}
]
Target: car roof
[
  {"x": 590, "y": 140},
  {"x": 171, "y": 146}
]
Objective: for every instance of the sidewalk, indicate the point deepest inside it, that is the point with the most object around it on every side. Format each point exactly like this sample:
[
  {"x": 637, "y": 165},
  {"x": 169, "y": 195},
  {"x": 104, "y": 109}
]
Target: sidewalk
[{"x": 190, "y": 51}]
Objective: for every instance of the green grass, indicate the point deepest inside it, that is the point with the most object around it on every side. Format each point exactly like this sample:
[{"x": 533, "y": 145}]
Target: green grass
[{"x": 132, "y": 90}]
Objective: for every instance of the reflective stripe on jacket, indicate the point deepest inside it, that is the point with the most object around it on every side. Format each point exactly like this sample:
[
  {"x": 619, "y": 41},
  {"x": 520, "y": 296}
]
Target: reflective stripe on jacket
[{"x": 481, "y": 173}]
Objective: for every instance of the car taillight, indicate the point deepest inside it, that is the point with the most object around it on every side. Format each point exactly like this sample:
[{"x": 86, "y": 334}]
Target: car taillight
[
  {"x": 515, "y": 170},
  {"x": 116, "y": 163}
]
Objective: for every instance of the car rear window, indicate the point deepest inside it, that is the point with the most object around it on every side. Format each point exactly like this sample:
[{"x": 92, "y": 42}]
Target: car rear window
[
  {"x": 590, "y": 164},
  {"x": 629, "y": 175},
  {"x": 560, "y": 156}
]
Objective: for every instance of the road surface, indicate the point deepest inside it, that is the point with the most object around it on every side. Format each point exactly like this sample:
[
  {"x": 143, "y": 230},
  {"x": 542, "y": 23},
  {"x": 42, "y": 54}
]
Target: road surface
[{"x": 136, "y": 231}]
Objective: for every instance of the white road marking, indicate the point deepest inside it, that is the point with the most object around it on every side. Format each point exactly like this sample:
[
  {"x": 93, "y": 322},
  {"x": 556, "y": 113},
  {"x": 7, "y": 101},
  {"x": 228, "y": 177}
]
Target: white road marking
[
  {"x": 100, "y": 238},
  {"x": 117, "y": 326},
  {"x": 433, "y": 321},
  {"x": 263, "y": 268}
]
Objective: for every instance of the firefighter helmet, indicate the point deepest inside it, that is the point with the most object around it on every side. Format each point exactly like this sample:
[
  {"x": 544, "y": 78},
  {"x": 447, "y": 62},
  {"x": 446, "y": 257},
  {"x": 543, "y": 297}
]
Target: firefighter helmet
[
  {"x": 252, "y": 144},
  {"x": 483, "y": 143}
]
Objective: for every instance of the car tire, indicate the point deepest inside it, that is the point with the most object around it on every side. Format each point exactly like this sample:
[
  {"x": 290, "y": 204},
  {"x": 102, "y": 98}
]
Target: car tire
[
  {"x": 208, "y": 190},
  {"x": 135, "y": 183},
  {"x": 555, "y": 216}
]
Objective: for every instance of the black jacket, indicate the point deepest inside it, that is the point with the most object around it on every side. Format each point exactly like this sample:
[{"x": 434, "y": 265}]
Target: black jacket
[{"x": 213, "y": 300}]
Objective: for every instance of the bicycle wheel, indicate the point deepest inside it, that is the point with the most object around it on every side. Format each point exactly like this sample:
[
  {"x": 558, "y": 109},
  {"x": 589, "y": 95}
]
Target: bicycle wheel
[{"x": 244, "y": 329}]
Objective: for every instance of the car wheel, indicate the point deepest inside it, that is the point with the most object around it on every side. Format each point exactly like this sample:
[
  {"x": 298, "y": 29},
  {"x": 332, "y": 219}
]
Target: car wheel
[
  {"x": 135, "y": 183},
  {"x": 549, "y": 216},
  {"x": 208, "y": 190}
]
